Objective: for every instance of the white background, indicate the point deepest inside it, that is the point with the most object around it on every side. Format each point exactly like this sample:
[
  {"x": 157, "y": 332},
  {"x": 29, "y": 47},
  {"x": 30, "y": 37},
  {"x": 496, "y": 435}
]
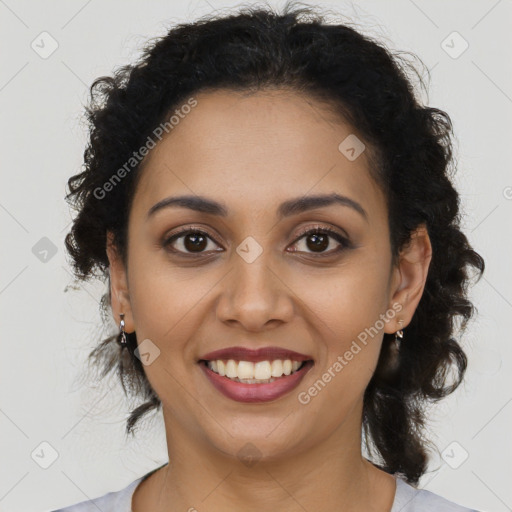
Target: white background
[{"x": 47, "y": 333}]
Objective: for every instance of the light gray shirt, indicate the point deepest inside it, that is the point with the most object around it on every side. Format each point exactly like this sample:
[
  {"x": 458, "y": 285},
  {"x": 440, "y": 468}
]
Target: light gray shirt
[{"x": 407, "y": 499}]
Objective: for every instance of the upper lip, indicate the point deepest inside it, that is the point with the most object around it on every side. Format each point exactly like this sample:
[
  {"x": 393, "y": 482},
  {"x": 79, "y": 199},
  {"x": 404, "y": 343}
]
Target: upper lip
[{"x": 254, "y": 355}]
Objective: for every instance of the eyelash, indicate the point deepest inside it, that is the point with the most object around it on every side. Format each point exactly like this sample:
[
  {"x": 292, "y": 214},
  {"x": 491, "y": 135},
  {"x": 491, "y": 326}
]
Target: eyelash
[{"x": 345, "y": 243}]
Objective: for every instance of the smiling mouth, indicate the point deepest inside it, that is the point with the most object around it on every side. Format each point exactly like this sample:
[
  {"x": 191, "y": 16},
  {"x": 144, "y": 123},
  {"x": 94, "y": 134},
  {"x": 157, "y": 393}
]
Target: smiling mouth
[{"x": 260, "y": 372}]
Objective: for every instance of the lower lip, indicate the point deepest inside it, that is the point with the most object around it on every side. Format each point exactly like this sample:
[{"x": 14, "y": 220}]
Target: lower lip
[{"x": 266, "y": 392}]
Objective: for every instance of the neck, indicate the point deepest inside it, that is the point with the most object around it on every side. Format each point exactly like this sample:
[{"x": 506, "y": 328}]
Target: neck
[{"x": 201, "y": 477}]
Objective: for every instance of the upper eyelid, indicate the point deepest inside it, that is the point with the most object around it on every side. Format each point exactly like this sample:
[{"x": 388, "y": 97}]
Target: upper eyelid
[{"x": 329, "y": 229}]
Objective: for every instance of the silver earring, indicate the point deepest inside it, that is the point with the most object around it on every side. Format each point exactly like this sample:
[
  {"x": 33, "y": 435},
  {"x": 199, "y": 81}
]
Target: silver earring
[
  {"x": 122, "y": 335},
  {"x": 399, "y": 335}
]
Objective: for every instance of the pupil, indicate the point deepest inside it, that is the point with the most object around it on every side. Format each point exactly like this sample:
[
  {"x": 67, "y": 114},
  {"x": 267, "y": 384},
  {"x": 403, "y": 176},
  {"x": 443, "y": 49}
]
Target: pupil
[
  {"x": 323, "y": 239},
  {"x": 198, "y": 244}
]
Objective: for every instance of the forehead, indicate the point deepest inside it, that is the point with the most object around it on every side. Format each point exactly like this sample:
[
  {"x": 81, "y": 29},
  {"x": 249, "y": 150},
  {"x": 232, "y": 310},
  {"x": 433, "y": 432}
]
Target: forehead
[{"x": 258, "y": 149}]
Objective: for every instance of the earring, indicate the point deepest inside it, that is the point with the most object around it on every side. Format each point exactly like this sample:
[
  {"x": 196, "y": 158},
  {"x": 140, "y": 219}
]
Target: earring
[
  {"x": 121, "y": 339},
  {"x": 399, "y": 334}
]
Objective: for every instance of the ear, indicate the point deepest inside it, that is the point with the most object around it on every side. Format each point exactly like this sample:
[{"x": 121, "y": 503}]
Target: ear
[
  {"x": 118, "y": 281},
  {"x": 409, "y": 278}
]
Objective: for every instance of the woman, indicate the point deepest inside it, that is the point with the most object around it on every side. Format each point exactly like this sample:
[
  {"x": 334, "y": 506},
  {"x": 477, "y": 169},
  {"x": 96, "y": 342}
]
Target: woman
[{"x": 273, "y": 209}]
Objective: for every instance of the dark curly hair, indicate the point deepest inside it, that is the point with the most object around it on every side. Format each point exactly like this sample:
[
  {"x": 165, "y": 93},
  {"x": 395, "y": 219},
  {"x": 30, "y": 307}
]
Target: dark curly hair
[{"x": 411, "y": 148}]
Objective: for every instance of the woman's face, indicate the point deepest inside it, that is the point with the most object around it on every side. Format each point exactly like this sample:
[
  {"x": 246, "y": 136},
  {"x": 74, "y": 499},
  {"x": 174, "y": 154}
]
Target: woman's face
[{"x": 254, "y": 281}]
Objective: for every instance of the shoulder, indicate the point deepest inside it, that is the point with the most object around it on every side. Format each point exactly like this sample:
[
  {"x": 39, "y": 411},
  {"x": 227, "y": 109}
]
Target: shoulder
[
  {"x": 116, "y": 501},
  {"x": 410, "y": 499}
]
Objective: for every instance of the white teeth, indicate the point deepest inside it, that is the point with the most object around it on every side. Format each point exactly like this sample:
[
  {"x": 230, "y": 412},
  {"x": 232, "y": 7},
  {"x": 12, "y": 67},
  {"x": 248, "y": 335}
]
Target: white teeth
[
  {"x": 277, "y": 368},
  {"x": 231, "y": 369},
  {"x": 262, "y": 370},
  {"x": 245, "y": 370},
  {"x": 251, "y": 373}
]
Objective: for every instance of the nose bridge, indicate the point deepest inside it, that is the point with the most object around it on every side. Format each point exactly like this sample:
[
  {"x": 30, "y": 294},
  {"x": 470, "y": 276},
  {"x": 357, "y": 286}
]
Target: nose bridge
[
  {"x": 252, "y": 275},
  {"x": 253, "y": 295},
  {"x": 252, "y": 281}
]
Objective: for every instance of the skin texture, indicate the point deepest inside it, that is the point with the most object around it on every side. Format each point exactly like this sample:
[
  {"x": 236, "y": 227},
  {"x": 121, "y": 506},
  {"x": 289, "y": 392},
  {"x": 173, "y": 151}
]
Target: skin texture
[{"x": 251, "y": 153}]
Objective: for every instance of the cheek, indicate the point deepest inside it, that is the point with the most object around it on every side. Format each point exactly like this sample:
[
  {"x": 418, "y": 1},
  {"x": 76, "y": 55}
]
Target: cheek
[
  {"x": 168, "y": 304},
  {"x": 348, "y": 300},
  {"x": 350, "y": 326},
  {"x": 349, "y": 307}
]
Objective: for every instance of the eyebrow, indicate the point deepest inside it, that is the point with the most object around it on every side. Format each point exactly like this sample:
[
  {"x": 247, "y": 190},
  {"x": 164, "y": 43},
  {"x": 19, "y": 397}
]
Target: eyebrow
[{"x": 286, "y": 209}]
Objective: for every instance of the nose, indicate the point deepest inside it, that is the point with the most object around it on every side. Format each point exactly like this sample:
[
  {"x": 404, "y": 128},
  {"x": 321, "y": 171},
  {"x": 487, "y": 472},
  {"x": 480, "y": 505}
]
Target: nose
[{"x": 254, "y": 296}]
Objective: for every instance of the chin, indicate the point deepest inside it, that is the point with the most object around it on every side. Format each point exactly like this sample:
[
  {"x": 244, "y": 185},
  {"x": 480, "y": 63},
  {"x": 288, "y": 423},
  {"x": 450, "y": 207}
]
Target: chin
[{"x": 259, "y": 441}]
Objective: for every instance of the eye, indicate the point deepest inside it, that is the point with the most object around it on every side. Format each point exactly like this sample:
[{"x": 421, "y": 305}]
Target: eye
[
  {"x": 318, "y": 239},
  {"x": 189, "y": 240}
]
